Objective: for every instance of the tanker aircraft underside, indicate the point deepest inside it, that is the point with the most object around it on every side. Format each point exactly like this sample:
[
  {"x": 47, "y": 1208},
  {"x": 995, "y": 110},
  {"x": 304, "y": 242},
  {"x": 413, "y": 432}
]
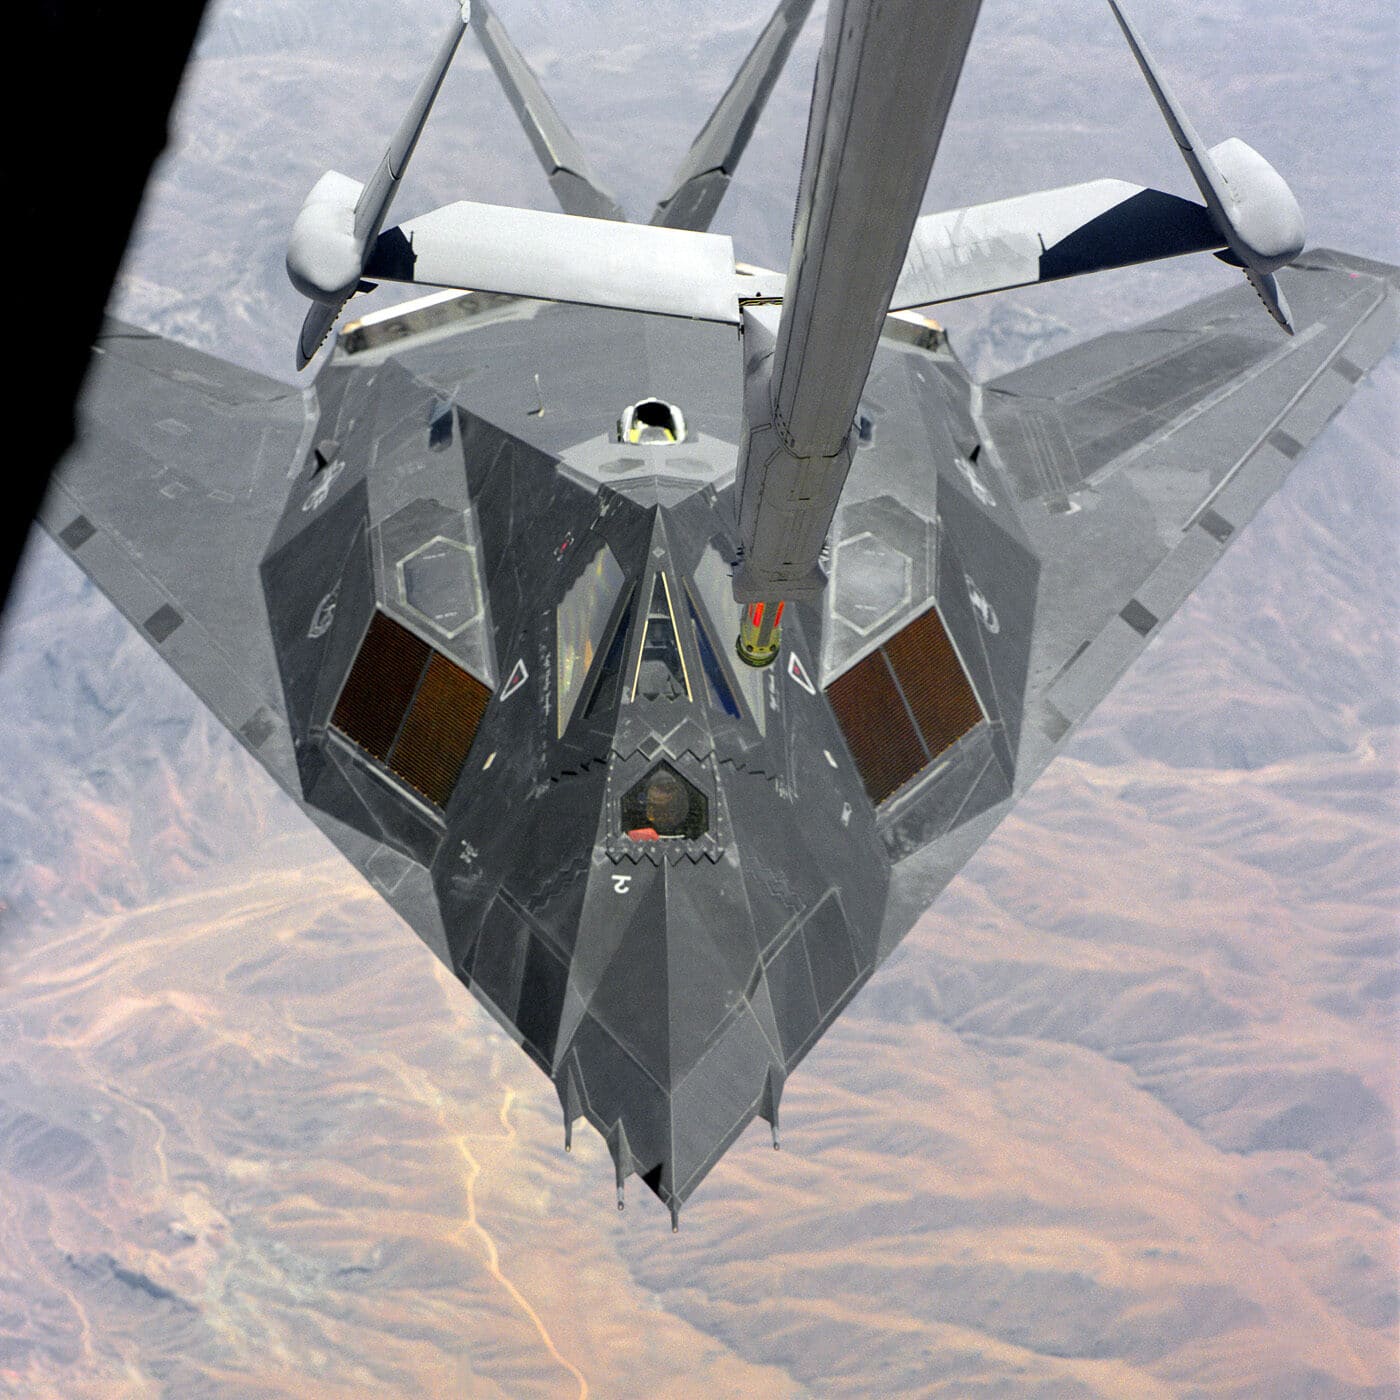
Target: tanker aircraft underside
[{"x": 659, "y": 634}]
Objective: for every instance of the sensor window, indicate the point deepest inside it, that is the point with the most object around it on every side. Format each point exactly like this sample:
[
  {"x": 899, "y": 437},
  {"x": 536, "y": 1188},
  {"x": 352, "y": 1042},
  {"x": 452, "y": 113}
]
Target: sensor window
[{"x": 652, "y": 421}]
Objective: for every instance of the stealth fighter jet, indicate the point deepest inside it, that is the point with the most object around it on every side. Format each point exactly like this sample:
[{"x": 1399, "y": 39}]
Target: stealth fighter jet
[{"x": 658, "y": 633}]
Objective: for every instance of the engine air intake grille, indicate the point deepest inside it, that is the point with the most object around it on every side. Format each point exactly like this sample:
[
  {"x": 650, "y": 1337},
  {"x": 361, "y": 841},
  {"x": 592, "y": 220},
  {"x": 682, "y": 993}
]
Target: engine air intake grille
[
  {"x": 381, "y": 686},
  {"x": 411, "y": 708},
  {"x": 902, "y": 705}
]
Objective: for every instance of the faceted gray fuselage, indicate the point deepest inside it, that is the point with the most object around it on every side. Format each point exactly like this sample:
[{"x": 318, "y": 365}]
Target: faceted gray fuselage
[{"x": 467, "y": 484}]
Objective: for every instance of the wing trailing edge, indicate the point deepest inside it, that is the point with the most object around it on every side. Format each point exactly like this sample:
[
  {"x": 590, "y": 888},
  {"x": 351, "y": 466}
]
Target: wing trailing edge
[{"x": 1142, "y": 454}]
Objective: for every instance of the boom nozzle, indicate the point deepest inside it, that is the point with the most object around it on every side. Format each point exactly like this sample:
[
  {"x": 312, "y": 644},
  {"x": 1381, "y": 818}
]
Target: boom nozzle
[{"x": 760, "y": 633}]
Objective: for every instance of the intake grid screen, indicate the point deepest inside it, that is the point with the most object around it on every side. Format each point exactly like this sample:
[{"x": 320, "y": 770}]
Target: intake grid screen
[
  {"x": 902, "y": 705},
  {"x": 411, "y": 708}
]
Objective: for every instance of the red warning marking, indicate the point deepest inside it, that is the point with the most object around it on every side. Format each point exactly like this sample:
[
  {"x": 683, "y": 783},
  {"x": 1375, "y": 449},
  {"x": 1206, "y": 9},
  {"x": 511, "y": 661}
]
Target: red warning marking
[
  {"x": 799, "y": 673},
  {"x": 644, "y": 833},
  {"x": 518, "y": 677}
]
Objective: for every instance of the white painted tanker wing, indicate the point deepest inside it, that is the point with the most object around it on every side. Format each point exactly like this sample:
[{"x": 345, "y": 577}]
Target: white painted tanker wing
[{"x": 1046, "y": 236}]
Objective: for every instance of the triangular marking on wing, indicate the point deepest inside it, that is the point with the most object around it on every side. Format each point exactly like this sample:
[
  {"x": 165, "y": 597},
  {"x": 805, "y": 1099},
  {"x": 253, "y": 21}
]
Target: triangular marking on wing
[{"x": 518, "y": 676}]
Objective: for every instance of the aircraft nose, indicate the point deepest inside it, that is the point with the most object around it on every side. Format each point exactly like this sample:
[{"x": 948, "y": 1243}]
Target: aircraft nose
[{"x": 667, "y": 1041}]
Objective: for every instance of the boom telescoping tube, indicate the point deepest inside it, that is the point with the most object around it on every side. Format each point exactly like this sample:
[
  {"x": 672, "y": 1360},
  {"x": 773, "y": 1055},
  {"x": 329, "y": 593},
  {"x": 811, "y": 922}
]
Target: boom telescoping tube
[{"x": 885, "y": 80}]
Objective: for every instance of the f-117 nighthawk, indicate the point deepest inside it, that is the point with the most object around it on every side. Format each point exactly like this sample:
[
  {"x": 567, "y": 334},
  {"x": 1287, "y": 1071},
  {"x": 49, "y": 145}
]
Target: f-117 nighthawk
[{"x": 630, "y": 616}]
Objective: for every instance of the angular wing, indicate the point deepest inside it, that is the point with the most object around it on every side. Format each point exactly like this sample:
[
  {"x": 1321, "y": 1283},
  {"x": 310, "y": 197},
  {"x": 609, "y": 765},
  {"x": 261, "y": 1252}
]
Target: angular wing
[
  {"x": 1137, "y": 457},
  {"x": 167, "y": 502},
  {"x": 976, "y": 613}
]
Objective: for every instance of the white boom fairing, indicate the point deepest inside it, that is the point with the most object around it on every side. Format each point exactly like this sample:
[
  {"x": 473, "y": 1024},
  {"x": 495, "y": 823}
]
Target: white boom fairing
[
  {"x": 1047, "y": 236},
  {"x": 562, "y": 257},
  {"x": 588, "y": 255}
]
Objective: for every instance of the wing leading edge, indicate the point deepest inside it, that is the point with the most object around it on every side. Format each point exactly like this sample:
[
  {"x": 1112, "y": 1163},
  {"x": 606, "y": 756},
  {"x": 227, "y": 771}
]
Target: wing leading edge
[
  {"x": 180, "y": 474},
  {"x": 167, "y": 502},
  {"x": 1080, "y": 501},
  {"x": 1144, "y": 452}
]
